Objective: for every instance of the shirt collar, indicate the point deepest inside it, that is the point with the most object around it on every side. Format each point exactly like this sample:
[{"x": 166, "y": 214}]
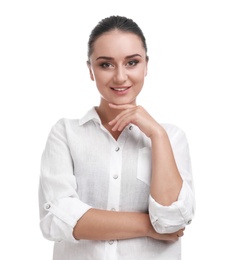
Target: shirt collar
[{"x": 90, "y": 115}]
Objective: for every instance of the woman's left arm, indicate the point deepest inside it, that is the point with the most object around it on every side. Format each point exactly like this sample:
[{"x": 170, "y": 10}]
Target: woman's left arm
[
  {"x": 166, "y": 181},
  {"x": 171, "y": 202}
]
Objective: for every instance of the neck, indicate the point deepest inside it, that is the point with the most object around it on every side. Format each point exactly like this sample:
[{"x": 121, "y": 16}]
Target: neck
[{"x": 106, "y": 113}]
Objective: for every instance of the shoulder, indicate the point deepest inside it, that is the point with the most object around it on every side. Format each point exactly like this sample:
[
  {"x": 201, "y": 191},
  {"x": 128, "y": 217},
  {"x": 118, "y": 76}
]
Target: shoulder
[
  {"x": 64, "y": 122},
  {"x": 64, "y": 125}
]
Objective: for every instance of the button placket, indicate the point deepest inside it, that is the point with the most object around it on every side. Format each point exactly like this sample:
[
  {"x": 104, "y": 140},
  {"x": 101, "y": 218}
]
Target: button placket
[
  {"x": 114, "y": 190},
  {"x": 115, "y": 173}
]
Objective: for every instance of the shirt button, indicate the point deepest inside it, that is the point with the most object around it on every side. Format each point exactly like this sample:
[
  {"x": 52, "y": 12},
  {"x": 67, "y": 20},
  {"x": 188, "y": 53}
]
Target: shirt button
[
  {"x": 47, "y": 206},
  {"x": 189, "y": 222},
  {"x": 111, "y": 242},
  {"x": 117, "y": 149},
  {"x": 131, "y": 127},
  {"x": 115, "y": 176}
]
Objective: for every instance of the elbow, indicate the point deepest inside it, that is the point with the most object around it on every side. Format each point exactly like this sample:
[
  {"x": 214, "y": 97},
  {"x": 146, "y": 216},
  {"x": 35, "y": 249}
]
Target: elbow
[
  {"x": 170, "y": 223},
  {"x": 169, "y": 219},
  {"x": 54, "y": 229}
]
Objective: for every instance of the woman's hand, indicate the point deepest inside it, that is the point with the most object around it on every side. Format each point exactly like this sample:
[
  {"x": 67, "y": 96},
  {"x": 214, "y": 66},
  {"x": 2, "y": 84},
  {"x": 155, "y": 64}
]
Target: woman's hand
[
  {"x": 166, "y": 237},
  {"x": 136, "y": 115}
]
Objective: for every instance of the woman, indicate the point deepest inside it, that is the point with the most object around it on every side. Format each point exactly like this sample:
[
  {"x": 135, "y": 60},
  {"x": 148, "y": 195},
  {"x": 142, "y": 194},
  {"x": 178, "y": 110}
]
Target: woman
[{"x": 116, "y": 184}]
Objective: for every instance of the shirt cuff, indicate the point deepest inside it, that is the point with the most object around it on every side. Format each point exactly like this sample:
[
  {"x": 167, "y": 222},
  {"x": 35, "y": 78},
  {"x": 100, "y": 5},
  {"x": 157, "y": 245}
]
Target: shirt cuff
[
  {"x": 62, "y": 216},
  {"x": 169, "y": 219}
]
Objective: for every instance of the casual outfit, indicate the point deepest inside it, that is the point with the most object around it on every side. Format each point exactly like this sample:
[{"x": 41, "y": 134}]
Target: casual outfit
[{"x": 84, "y": 167}]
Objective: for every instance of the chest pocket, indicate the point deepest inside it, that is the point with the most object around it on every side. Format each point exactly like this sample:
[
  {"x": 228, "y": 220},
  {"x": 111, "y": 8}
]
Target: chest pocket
[{"x": 144, "y": 165}]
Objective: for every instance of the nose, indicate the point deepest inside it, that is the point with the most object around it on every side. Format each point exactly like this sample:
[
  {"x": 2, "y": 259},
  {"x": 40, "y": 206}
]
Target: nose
[{"x": 120, "y": 75}]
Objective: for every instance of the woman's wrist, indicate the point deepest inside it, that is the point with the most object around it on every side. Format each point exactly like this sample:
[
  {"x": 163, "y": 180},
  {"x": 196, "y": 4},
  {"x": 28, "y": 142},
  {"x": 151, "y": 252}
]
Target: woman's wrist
[
  {"x": 157, "y": 133},
  {"x": 147, "y": 228}
]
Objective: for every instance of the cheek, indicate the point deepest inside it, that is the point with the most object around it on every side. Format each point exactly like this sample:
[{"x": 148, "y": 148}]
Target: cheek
[
  {"x": 102, "y": 77},
  {"x": 101, "y": 81},
  {"x": 138, "y": 76}
]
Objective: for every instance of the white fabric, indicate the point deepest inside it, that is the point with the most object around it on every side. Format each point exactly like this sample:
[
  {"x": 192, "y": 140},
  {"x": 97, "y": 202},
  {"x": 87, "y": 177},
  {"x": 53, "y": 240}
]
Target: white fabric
[{"x": 83, "y": 166}]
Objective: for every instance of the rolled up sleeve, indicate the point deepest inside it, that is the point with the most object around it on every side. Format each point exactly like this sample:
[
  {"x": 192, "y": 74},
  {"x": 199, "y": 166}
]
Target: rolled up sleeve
[
  {"x": 169, "y": 219},
  {"x": 59, "y": 203}
]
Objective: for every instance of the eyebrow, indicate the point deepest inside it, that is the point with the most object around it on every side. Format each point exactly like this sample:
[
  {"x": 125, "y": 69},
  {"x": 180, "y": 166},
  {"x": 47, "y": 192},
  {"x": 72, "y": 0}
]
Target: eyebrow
[{"x": 110, "y": 58}]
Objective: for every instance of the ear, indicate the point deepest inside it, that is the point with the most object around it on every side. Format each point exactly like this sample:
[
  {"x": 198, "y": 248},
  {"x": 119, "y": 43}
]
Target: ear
[
  {"x": 146, "y": 68},
  {"x": 90, "y": 71}
]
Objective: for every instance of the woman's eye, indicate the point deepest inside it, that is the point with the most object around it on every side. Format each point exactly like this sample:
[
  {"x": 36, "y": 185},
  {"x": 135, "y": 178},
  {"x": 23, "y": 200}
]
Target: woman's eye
[
  {"x": 132, "y": 63},
  {"x": 105, "y": 65}
]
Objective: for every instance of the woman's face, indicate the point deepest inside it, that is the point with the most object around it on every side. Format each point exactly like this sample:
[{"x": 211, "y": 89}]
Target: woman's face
[{"x": 118, "y": 65}]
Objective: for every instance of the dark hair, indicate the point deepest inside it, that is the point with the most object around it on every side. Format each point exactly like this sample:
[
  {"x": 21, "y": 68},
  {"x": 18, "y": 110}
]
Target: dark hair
[{"x": 112, "y": 23}]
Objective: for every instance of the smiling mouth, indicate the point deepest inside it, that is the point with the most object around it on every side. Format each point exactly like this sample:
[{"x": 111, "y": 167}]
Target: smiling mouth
[{"x": 120, "y": 89}]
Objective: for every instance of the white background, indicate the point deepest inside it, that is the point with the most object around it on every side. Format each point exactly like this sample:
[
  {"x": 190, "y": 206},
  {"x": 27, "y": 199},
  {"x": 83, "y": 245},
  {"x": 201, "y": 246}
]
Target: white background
[{"x": 43, "y": 77}]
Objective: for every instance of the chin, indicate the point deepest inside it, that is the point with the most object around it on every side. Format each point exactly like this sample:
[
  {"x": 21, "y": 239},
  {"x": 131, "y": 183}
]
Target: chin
[{"x": 123, "y": 102}]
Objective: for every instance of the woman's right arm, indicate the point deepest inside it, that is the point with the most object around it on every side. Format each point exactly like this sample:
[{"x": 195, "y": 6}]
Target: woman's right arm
[{"x": 111, "y": 225}]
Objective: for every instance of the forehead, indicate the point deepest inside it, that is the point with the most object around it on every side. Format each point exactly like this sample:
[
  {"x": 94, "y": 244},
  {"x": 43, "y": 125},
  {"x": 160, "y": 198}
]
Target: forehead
[{"x": 118, "y": 43}]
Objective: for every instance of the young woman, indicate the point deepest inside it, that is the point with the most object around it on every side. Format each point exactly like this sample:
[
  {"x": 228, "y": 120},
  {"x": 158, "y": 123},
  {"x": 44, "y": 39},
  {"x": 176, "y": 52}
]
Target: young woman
[{"x": 116, "y": 184}]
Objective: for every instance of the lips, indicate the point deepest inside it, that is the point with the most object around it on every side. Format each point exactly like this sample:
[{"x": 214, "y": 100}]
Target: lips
[{"x": 120, "y": 89}]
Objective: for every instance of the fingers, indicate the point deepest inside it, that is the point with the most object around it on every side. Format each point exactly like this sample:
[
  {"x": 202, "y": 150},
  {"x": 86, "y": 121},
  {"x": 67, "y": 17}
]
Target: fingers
[
  {"x": 180, "y": 233},
  {"x": 125, "y": 106},
  {"x": 132, "y": 114},
  {"x": 171, "y": 237},
  {"x": 121, "y": 123},
  {"x": 174, "y": 236},
  {"x": 124, "y": 118}
]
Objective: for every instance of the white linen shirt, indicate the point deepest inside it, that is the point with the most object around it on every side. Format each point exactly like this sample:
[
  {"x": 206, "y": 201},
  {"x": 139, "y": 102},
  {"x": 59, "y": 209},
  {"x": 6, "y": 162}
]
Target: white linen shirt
[{"x": 83, "y": 166}]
